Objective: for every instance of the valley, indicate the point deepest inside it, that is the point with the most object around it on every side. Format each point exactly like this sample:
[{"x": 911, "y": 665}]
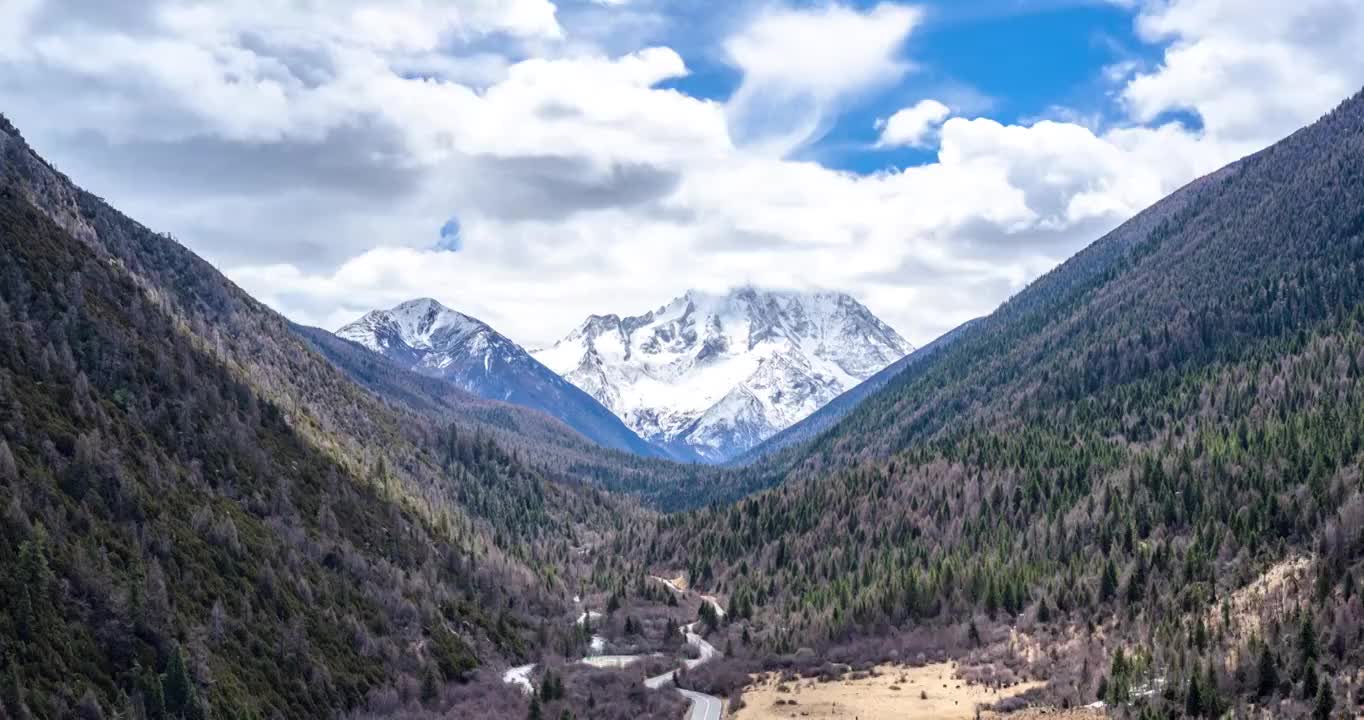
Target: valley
[
  {"x": 932, "y": 692},
  {"x": 1134, "y": 490}
]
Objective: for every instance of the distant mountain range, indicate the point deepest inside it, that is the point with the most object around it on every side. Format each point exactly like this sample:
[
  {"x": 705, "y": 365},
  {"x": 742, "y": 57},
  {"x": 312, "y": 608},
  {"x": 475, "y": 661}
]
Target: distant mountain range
[
  {"x": 705, "y": 378},
  {"x": 713, "y": 375},
  {"x": 429, "y": 338}
]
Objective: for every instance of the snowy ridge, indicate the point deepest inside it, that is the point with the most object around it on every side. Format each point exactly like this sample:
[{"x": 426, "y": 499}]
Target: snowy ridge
[
  {"x": 429, "y": 338},
  {"x": 712, "y": 375},
  {"x": 416, "y": 323}
]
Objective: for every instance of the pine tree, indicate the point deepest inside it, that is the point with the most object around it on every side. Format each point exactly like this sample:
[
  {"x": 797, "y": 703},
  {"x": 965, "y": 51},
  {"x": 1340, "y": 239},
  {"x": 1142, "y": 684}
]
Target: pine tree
[
  {"x": 707, "y": 615},
  {"x": 153, "y": 696},
  {"x": 1212, "y": 700},
  {"x": 13, "y": 690},
  {"x": 1108, "y": 584},
  {"x": 1119, "y": 682},
  {"x": 1193, "y": 701},
  {"x": 536, "y": 713},
  {"x": 179, "y": 688},
  {"x": 34, "y": 585},
  {"x": 26, "y": 623},
  {"x": 551, "y": 687},
  {"x": 1268, "y": 673},
  {"x": 1307, "y": 639},
  {"x": 1326, "y": 702}
]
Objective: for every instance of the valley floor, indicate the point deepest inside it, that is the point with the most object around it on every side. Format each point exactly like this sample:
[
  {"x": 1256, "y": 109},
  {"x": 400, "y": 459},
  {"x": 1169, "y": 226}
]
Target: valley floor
[{"x": 931, "y": 692}]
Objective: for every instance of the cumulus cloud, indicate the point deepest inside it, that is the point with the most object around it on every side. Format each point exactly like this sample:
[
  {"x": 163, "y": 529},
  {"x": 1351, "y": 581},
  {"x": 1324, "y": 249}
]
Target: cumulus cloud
[
  {"x": 914, "y": 126},
  {"x": 1251, "y": 73},
  {"x": 315, "y": 154},
  {"x": 798, "y": 64}
]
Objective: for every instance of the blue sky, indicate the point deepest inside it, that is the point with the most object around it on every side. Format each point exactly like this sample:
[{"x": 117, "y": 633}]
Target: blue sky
[
  {"x": 1015, "y": 60},
  {"x": 532, "y": 162}
]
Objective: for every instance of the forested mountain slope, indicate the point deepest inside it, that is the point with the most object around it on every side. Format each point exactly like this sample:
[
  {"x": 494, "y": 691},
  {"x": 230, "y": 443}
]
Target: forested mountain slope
[
  {"x": 203, "y": 513},
  {"x": 1126, "y": 443}
]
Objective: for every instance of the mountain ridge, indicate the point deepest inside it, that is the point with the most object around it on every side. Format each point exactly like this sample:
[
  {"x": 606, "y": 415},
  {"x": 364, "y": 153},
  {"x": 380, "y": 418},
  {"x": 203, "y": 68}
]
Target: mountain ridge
[
  {"x": 1164, "y": 422},
  {"x": 715, "y": 374},
  {"x": 429, "y": 338},
  {"x": 194, "y": 494}
]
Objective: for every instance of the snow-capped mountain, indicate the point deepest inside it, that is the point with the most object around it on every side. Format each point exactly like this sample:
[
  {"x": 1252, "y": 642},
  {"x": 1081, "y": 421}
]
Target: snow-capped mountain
[
  {"x": 839, "y": 408},
  {"x": 427, "y": 337},
  {"x": 711, "y": 375}
]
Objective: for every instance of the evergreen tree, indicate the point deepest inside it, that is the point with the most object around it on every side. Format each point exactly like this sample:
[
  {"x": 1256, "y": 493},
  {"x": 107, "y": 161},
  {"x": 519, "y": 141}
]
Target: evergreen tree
[
  {"x": 1309, "y": 682},
  {"x": 153, "y": 696},
  {"x": 13, "y": 700},
  {"x": 1119, "y": 680},
  {"x": 707, "y": 615},
  {"x": 536, "y": 713},
  {"x": 551, "y": 687},
  {"x": 1307, "y": 639},
  {"x": 1108, "y": 584},
  {"x": 1194, "y": 703},
  {"x": 1326, "y": 702},
  {"x": 179, "y": 687},
  {"x": 31, "y": 587},
  {"x": 1212, "y": 699},
  {"x": 1268, "y": 673}
]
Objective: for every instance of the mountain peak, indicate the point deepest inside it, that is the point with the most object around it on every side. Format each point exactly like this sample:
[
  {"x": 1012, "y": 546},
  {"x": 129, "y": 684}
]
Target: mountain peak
[
  {"x": 427, "y": 337},
  {"x": 422, "y": 323},
  {"x": 421, "y": 305},
  {"x": 675, "y": 375}
]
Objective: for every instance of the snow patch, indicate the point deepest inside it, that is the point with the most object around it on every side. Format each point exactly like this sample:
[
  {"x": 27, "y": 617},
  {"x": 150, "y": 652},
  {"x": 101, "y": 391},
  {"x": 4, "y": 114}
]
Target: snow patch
[{"x": 520, "y": 676}]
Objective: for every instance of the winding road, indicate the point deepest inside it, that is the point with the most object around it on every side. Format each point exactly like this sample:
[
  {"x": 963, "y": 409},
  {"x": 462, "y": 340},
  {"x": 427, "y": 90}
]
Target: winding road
[{"x": 703, "y": 706}]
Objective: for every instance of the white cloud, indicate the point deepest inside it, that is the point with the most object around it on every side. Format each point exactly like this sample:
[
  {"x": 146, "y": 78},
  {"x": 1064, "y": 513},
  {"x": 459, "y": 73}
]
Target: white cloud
[
  {"x": 15, "y": 18},
  {"x": 798, "y": 64},
  {"x": 1252, "y": 71},
  {"x": 927, "y": 247},
  {"x": 913, "y": 126},
  {"x": 314, "y": 153}
]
